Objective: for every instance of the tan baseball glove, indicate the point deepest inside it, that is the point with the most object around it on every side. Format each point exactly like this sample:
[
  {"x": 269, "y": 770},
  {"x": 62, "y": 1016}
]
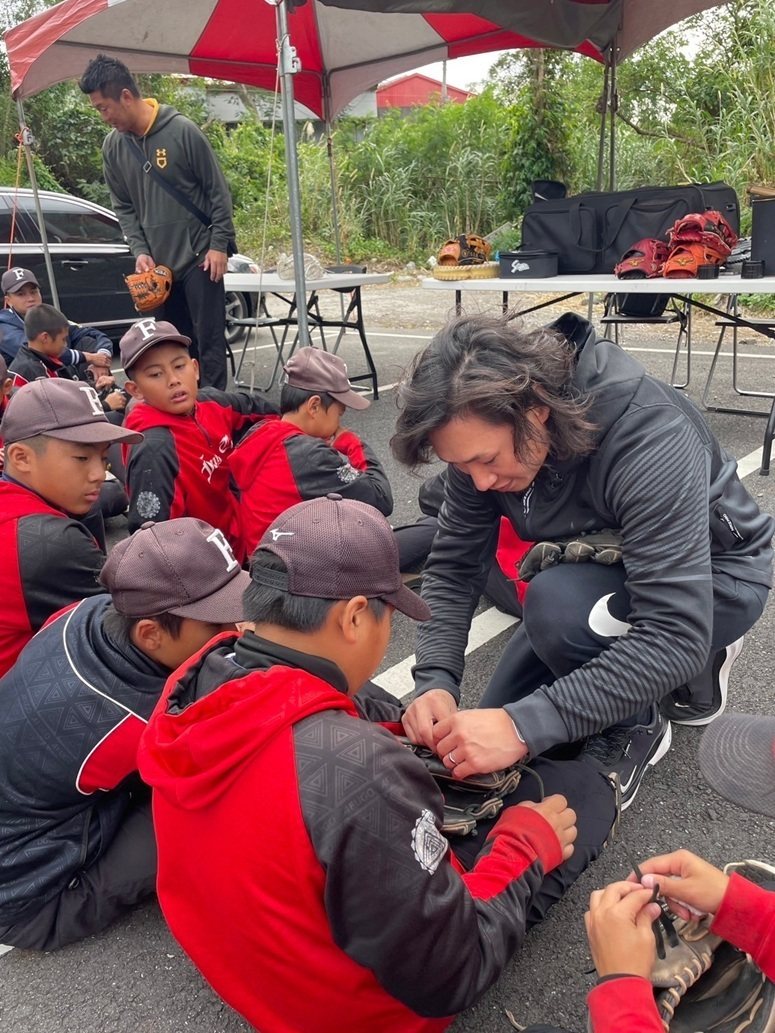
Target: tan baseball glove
[{"x": 151, "y": 289}]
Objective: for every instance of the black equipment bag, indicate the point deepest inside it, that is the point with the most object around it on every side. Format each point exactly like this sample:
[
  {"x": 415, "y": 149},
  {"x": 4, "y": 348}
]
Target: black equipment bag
[{"x": 590, "y": 232}]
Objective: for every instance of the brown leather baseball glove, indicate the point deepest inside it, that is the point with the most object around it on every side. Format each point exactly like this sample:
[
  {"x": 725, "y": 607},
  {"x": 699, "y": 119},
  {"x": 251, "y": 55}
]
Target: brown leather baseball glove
[
  {"x": 467, "y": 249},
  {"x": 151, "y": 289}
]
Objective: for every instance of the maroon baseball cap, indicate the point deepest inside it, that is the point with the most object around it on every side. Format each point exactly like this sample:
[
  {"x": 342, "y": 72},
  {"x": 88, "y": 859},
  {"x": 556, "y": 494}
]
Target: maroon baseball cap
[
  {"x": 313, "y": 369},
  {"x": 335, "y": 548},
  {"x": 146, "y": 333},
  {"x": 64, "y": 409},
  {"x": 182, "y": 566},
  {"x": 14, "y": 279}
]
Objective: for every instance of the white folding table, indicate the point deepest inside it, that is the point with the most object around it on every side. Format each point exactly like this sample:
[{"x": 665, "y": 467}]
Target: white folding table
[
  {"x": 351, "y": 319},
  {"x": 570, "y": 286}
]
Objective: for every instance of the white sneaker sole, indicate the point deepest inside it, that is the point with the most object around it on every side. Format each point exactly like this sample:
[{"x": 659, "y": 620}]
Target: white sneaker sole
[
  {"x": 734, "y": 649},
  {"x": 662, "y": 749}
]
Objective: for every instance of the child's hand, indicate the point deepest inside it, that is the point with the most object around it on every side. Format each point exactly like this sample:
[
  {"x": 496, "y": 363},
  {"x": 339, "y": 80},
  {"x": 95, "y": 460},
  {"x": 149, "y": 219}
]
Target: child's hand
[
  {"x": 116, "y": 401},
  {"x": 97, "y": 359},
  {"x": 560, "y": 816},
  {"x": 684, "y": 879},
  {"x": 619, "y": 929}
]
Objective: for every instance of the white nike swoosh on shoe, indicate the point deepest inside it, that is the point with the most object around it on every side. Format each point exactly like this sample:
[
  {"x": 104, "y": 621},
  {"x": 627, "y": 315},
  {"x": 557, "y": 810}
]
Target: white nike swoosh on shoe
[{"x": 602, "y": 622}]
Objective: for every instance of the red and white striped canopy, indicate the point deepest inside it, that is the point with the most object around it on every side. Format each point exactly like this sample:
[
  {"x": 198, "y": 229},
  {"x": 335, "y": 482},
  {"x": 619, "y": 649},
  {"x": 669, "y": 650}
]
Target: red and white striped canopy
[{"x": 343, "y": 50}]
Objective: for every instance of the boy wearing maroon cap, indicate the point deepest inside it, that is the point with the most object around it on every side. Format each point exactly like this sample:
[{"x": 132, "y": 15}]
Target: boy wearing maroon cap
[
  {"x": 306, "y": 453},
  {"x": 181, "y": 468},
  {"x": 334, "y": 902},
  {"x": 76, "y": 839},
  {"x": 56, "y": 441}
]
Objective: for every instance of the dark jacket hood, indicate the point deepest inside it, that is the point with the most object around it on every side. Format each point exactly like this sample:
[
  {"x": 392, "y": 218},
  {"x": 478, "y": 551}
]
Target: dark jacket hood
[{"x": 215, "y": 716}]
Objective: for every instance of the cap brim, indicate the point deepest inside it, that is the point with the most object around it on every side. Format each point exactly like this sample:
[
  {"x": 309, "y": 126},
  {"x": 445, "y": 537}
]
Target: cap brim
[
  {"x": 224, "y": 606},
  {"x": 410, "y": 603},
  {"x": 18, "y": 286},
  {"x": 352, "y": 399},
  {"x": 736, "y": 759},
  {"x": 98, "y": 433},
  {"x": 170, "y": 339}
]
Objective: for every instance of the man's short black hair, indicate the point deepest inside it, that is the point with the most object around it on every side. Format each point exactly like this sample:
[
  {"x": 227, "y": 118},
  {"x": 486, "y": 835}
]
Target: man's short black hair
[
  {"x": 292, "y": 398},
  {"x": 44, "y": 319},
  {"x": 265, "y": 605},
  {"x": 109, "y": 76}
]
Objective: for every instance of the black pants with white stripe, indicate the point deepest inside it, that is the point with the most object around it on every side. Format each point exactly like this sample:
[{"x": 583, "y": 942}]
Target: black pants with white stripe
[{"x": 573, "y": 612}]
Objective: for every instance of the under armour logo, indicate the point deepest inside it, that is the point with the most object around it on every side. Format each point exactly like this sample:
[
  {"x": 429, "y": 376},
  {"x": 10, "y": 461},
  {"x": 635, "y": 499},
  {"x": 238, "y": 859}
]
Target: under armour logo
[
  {"x": 94, "y": 402},
  {"x": 147, "y": 328},
  {"x": 18, "y": 273},
  {"x": 280, "y": 534},
  {"x": 219, "y": 541}
]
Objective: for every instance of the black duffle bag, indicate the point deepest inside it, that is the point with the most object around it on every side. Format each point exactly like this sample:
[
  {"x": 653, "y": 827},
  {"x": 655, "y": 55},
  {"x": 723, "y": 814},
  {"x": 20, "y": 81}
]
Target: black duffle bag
[{"x": 590, "y": 232}]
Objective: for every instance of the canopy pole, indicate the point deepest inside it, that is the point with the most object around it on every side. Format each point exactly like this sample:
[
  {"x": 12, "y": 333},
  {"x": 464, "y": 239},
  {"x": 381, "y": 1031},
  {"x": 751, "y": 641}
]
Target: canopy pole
[
  {"x": 613, "y": 105},
  {"x": 603, "y": 106},
  {"x": 26, "y": 138},
  {"x": 289, "y": 64}
]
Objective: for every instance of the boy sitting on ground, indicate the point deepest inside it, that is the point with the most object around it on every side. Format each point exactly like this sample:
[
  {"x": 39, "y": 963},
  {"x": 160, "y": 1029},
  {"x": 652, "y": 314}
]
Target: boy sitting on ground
[
  {"x": 181, "y": 468},
  {"x": 333, "y": 901},
  {"x": 76, "y": 838},
  {"x": 307, "y": 453},
  {"x": 56, "y": 440},
  {"x": 85, "y": 344},
  {"x": 42, "y": 355}
]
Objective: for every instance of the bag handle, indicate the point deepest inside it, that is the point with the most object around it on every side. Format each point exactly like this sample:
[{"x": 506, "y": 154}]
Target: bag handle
[{"x": 623, "y": 210}]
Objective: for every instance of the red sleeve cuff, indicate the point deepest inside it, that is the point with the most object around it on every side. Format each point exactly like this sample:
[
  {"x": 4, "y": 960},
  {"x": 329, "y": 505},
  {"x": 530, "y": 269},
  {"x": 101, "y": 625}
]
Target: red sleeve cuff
[
  {"x": 533, "y": 830},
  {"x": 626, "y": 1003},
  {"x": 746, "y": 918}
]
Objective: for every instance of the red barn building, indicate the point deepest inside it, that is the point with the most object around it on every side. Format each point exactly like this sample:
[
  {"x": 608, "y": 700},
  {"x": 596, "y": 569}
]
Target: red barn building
[{"x": 414, "y": 91}]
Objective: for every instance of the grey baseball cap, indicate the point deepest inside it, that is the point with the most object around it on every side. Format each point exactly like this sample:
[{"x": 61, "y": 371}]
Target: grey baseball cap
[
  {"x": 64, "y": 409},
  {"x": 737, "y": 759},
  {"x": 335, "y": 548},
  {"x": 15, "y": 278},
  {"x": 144, "y": 334},
  {"x": 182, "y": 566},
  {"x": 313, "y": 369}
]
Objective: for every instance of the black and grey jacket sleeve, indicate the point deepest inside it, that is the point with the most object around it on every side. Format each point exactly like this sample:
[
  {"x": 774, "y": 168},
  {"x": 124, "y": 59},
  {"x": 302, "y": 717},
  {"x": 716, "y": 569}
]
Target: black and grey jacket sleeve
[
  {"x": 59, "y": 563},
  {"x": 434, "y": 938},
  {"x": 347, "y": 466}
]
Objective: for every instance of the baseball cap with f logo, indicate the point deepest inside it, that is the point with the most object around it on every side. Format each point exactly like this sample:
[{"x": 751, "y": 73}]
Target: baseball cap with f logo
[{"x": 146, "y": 333}]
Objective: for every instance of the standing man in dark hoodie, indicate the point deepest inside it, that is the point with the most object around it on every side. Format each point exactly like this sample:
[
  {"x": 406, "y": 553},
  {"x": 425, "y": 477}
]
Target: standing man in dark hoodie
[{"x": 160, "y": 169}]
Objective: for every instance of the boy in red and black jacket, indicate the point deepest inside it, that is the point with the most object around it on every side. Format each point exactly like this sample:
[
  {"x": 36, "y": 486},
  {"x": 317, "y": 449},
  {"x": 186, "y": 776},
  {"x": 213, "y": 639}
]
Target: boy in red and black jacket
[
  {"x": 334, "y": 901},
  {"x": 56, "y": 441},
  {"x": 307, "y": 452},
  {"x": 181, "y": 468}
]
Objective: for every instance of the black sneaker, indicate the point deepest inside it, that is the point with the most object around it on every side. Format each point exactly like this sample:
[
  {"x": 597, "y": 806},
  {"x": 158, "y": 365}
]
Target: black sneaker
[
  {"x": 624, "y": 752},
  {"x": 680, "y": 707}
]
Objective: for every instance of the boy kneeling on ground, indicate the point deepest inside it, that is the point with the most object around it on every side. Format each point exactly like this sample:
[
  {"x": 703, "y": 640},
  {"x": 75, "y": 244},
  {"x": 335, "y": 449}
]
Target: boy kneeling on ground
[{"x": 330, "y": 900}]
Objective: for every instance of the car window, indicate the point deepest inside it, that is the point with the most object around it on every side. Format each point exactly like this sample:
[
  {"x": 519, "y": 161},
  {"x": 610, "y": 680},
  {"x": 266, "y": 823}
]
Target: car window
[{"x": 68, "y": 222}]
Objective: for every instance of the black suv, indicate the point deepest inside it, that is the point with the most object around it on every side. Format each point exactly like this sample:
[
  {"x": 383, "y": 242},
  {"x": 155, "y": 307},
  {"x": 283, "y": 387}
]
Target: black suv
[{"x": 90, "y": 259}]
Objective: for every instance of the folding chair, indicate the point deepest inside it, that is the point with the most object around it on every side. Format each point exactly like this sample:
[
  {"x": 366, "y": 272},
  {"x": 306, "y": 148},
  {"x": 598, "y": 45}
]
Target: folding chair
[{"x": 624, "y": 309}]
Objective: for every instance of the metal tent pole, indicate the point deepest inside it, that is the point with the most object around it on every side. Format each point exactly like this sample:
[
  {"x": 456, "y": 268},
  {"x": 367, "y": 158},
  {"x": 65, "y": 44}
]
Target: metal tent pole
[
  {"x": 603, "y": 104},
  {"x": 289, "y": 64},
  {"x": 26, "y": 139},
  {"x": 613, "y": 104}
]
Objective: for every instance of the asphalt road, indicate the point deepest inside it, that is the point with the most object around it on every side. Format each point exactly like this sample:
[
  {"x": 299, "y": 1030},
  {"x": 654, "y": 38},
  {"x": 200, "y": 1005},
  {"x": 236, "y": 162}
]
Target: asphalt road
[{"x": 135, "y": 979}]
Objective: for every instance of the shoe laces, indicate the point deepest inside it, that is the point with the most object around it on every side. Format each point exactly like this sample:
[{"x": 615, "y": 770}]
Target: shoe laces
[{"x": 609, "y": 746}]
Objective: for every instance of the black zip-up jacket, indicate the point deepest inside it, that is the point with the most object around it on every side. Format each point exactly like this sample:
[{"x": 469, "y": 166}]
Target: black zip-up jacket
[
  {"x": 74, "y": 706},
  {"x": 658, "y": 475}
]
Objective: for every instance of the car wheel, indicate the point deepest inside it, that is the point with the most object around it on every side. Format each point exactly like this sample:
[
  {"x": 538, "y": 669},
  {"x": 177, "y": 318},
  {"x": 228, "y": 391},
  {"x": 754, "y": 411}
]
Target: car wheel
[{"x": 238, "y": 306}]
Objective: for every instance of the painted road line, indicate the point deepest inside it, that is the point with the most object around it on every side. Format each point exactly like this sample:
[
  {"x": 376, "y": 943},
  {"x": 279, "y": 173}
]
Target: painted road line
[{"x": 398, "y": 678}]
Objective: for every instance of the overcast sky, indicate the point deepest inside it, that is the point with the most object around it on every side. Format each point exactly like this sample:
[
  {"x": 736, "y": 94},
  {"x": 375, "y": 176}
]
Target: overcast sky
[{"x": 464, "y": 71}]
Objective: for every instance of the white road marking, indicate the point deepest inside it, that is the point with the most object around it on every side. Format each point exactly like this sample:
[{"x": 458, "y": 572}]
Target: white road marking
[{"x": 398, "y": 678}]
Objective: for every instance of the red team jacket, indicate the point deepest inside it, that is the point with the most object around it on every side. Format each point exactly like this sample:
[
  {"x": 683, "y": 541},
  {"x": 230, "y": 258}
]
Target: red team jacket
[
  {"x": 277, "y": 465},
  {"x": 181, "y": 468},
  {"x": 47, "y": 561},
  {"x": 332, "y": 902}
]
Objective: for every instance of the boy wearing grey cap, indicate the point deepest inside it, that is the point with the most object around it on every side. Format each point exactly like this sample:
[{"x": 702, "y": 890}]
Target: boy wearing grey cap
[
  {"x": 334, "y": 902},
  {"x": 182, "y": 467},
  {"x": 76, "y": 838},
  {"x": 85, "y": 344},
  {"x": 307, "y": 453},
  {"x": 56, "y": 441}
]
